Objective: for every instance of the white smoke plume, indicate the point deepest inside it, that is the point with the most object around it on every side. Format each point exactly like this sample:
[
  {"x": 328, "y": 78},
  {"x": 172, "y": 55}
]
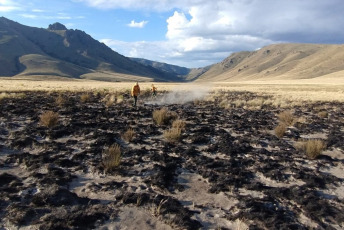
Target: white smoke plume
[{"x": 182, "y": 94}]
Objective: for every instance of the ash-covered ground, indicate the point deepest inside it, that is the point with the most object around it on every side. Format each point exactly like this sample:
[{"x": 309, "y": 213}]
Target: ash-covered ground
[{"x": 228, "y": 171}]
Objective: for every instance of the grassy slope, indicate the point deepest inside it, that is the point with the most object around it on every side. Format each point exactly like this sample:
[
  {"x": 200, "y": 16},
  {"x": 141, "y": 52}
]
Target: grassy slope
[{"x": 280, "y": 61}]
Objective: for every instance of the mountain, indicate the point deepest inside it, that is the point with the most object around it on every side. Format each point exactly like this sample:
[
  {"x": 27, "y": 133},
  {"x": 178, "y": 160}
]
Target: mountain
[
  {"x": 186, "y": 74},
  {"x": 279, "y": 61},
  {"x": 57, "y": 51}
]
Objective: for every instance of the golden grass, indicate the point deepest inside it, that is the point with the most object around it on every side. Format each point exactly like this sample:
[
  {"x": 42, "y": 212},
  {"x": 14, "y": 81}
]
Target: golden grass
[
  {"x": 280, "y": 130},
  {"x": 163, "y": 116},
  {"x": 60, "y": 100},
  {"x": 312, "y": 148},
  {"x": 128, "y": 135},
  {"x": 286, "y": 117},
  {"x": 111, "y": 157},
  {"x": 11, "y": 95},
  {"x": 173, "y": 134},
  {"x": 285, "y": 94},
  {"x": 178, "y": 124},
  {"x": 85, "y": 97},
  {"x": 49, "y": 119}
]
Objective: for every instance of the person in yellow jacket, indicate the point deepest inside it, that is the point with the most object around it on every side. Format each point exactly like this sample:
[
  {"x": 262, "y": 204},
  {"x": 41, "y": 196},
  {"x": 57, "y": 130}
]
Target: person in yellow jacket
[
  {"x": 153, "y": 89},
  {"x": 135, "y": 91}
]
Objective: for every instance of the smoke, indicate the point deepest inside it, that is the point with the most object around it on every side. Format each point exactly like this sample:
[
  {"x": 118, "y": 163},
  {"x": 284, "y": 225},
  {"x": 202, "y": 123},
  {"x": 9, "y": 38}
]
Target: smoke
[{"x": 182, "y": 94}]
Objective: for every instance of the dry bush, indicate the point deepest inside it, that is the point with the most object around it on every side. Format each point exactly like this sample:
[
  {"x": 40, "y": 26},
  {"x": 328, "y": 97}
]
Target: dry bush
[
  {"x": 109, "y": 100},
  {"x": 312, "y": 148},
  {"x": 163, "y": 116},
  {"x": 111, "y": 157},
  {"x": 119, "y": 99},
  {"x": 49, "y": 119},
  {"x": 286, "y": 117},
  {"x": 178, "y": 124},
  {"x": 85, "y": 97},
  {"x": 173, "y": 135},
  {"x": 128, "y": 135},
  {"x": 60, "y": 100},
  {"x": 323, "y": 114},
  {"x": 280, "y": 130}
]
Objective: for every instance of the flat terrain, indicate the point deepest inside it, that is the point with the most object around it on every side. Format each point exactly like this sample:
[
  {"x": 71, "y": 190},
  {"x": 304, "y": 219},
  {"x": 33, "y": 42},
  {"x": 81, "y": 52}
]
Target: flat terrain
[{"x": 228, "y": 169}]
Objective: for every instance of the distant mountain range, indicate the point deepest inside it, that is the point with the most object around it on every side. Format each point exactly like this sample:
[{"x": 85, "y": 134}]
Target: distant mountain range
[{"x": 57, "y": 51}]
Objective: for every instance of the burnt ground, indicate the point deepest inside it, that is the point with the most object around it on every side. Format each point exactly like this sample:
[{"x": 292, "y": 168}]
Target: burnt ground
[{"x": 228, "y": 171}]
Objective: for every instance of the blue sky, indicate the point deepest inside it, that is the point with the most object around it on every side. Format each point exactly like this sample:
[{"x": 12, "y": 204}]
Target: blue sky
[{"x": 190, "y": 33}]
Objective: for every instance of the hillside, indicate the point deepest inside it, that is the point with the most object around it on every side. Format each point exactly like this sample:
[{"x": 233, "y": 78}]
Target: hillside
[
  {"x": 279, "y": 61},
  {"x": 58, "y": 51}
]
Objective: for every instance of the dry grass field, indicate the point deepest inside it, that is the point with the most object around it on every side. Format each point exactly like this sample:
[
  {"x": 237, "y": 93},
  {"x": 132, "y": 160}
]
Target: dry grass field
[{"x": 76, "y": 154}]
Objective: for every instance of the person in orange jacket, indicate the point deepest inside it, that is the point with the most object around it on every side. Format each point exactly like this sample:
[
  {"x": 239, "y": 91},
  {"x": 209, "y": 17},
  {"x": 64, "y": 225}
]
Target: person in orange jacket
[
  {"x": 153, "y": 89},
  {"x": 135, "y": 92}
]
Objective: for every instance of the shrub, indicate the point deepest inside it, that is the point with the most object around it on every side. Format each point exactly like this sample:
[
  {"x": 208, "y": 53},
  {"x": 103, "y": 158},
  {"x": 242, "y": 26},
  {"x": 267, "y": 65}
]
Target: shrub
[
  {"x": 280, "y": 130},
  {"x": 312, "y": 148},
  {"x": 163, "y": 116},
  {"x": 128, "y": 135},
  {"x": 85, "y": 97},
  {"x": 49, "y": 119},
  {"x": 173, "y": 135},
  {"x": 286, "y": 117},
  {"x": 112, "y": 157},
  {"x": 178, "y": 124}
]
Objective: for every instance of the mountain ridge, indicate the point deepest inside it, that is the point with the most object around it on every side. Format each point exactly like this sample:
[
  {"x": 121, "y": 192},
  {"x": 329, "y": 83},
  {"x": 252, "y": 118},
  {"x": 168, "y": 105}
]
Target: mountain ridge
[{"x": 69, "y": 48}]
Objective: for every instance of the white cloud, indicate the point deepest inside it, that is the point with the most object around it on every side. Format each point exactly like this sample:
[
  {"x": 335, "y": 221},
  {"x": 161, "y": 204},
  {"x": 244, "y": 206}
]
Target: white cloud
[
  {"x": 8, "y": 6},
  {"x": 205, "y": 32},
  {"x": 137, "y": 24}
]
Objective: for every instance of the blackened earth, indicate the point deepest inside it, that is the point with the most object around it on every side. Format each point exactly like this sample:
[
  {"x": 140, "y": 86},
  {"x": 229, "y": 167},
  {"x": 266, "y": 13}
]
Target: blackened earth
[{"x": 233, "y": 150}]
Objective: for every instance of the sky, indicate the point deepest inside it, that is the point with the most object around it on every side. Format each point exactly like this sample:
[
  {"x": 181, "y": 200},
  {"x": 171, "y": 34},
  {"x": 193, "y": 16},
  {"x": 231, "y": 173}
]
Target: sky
[{"x": 188, "y": 33}]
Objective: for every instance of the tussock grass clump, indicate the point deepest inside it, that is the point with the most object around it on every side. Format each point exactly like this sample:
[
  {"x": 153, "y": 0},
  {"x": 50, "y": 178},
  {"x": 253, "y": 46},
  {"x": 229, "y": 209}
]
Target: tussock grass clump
[
  {"x": 112, "y": 157},
  {"x": 173, "y": 134},
  {"x": 49, "y": 119},
  {"x": 60, "y": 100},
  {"x": 109, "y": 100},
  {"x": 323, "y": 114},
  {"x": 128, "y": 135},
  {"x": 163, "y": 116},
  {"x": 286, "y": 117},
  {"x": 178, "y": 124},
  {"x": 280, "y": 130},
  {"x": 85, "y": 97},
  {"x": 312, "y": 148}
]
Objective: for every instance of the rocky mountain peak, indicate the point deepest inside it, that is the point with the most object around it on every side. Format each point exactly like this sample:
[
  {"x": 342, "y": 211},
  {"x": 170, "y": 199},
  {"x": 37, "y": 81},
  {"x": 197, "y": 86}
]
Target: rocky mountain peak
[{"x": 57, "y": 26}]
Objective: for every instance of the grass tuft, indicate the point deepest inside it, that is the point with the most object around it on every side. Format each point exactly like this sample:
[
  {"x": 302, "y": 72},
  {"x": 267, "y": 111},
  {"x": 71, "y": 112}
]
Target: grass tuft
[
  {"x": 128, "y": 135},
  {"x": 312, "y": 148},
  {"x": 173, "y": 134},
  {"x": 111, "y": 157},
  {"x": 85, "y": 97},
  {"x": 49, "y": 119},
  {"x": 178, "y": 124},
  {"x": 280, "y": 130},
  {"x": 286, "y": 117},
  {"x": 163, "y": 116}
]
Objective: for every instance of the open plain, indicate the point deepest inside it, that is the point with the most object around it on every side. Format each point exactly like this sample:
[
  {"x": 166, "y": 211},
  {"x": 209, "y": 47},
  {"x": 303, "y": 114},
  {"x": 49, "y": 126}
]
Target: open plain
[{"x": 227, "y": 167}]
